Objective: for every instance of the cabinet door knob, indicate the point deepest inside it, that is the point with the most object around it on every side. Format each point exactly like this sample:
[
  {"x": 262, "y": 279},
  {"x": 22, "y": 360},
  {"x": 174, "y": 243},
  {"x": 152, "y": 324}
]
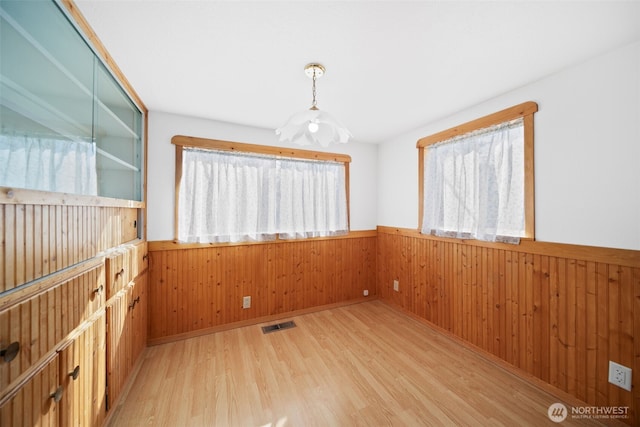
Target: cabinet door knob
[
  {"x": 145, "y": 256},
  {"x": 10, "y": 353},
  {"x": 57, "y": 395},
  {"x": 98, "y": 289},
  {"x": 137, "y": 300},
  {"x": 120, "y": 273},
  {"x": 75, "y": 373}
]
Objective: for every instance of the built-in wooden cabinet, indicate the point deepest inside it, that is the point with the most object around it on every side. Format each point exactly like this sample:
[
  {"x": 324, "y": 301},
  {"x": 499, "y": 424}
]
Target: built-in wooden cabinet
[
  {"x": 123, "y": 264},
  {"x": 53, "y": 334},
  {"x": 83, "y": 376},
  {"x": 37, "y": 401},
  {"x": 40, "y": 322},
  {"x": 67, "y": 387},
  {"x": 73, "y": 237},
  {"x": 127, "y": 334}
]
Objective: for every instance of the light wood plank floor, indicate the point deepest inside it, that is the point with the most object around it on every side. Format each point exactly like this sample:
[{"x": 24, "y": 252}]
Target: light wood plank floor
[{"x": 361, "y": 365}]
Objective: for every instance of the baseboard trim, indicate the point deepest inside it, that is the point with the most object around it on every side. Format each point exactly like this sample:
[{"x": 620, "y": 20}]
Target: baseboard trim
[{"x": 255, "y": 321}]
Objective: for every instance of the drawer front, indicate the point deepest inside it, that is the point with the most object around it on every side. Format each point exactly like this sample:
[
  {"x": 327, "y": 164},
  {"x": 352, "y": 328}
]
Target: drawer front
[
  {"x": 129, "y": 219},
  {"x": 118, "y": 268},
  {"x": 125, "y": 263},
  {"x": 34, "y": 404},
  {"x": 139, "y": 259},
  {"x": 40, "y": 323}
]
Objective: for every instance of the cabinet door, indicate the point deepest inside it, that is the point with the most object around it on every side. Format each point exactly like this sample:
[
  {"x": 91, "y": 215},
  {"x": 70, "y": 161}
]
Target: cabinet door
[
  {"x": 83, "y": 377},
  {"x": 37, "y": 402},
  {"x": 118, "y": 344},
  {"x": 139, "y": 318}
]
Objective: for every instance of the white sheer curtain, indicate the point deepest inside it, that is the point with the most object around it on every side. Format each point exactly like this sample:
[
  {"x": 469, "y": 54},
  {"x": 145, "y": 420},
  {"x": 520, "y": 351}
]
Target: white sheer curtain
[
  {"x": 48, "y": 164},
  {"x": 232, "y": 197},
  {"x": 474, "y": 185},
  {"x": 312, "y": 199}
]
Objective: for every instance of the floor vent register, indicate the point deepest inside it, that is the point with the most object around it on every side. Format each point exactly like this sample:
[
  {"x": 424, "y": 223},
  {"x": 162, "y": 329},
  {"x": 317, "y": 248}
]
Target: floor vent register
[{"x": 278, "y": 327}]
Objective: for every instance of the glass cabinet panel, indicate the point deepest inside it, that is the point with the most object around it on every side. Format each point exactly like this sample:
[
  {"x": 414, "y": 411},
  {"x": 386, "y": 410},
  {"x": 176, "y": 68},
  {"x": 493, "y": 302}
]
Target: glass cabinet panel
[
  {"x": 66, "y": 125},
  {"x": 118, "y": 129}
]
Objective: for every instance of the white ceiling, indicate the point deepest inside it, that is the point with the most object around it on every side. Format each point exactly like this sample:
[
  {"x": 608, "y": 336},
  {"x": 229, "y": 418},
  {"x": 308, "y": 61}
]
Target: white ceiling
[{"x": 391, "y": 66}]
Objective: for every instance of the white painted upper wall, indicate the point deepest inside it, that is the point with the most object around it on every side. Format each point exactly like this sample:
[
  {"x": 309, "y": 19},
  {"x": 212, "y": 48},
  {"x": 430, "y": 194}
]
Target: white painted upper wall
[
  {"x": 161, "y": 168},
  {"x": 587, "y": 154}
]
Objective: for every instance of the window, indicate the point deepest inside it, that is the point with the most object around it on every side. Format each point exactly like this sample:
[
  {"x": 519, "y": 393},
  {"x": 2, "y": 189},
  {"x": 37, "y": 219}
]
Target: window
[
  {"x": 476, "y": 180},
  {"x": 232, "y": 192}
]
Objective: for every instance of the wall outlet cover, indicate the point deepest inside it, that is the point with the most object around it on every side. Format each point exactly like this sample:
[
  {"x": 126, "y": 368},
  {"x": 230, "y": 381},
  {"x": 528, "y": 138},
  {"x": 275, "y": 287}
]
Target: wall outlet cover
[
  {"x": 620, "y": 375},
  {"x": 246, "y": 302}
]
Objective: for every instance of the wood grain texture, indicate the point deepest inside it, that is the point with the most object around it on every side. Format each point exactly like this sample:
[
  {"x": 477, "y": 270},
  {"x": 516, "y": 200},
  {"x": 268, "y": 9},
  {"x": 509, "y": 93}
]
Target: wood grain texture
[
  {"x": 557, "y": 318},
  {"x": 84, "y": 402},
  {"x": 193, "y": 289},
  {"x": 38, "y": 240},
  {"x": 33, "y": 405},
  {"x": 126, "y": 321},
  {"x": 363, "y": 364},
  {"x": 526, "y": 109},
  {"x": 40, "y": 323},
  {"x": 215, "y": 144},
  {"x": 123, "y": 264}
]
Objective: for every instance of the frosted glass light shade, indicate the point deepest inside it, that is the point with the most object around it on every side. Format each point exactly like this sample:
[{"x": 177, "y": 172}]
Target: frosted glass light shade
[{"x": 298, "y": 131}]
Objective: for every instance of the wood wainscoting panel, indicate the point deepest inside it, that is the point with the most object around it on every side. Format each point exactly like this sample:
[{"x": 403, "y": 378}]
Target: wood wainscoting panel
[
  {"x": 198, "y": 288},
  {"x": 551, "y": 310}
]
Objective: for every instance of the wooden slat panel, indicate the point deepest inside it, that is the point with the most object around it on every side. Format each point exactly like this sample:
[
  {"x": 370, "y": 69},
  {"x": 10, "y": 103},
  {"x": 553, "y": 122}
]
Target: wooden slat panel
[
  {"x": 3, "y": 245},
  {"x": 139, "y": 318},
  {"x": 193, "y": 289},
  {"x": 32, "y": 405},
  {"x": 84, "y": 401},
  {"x": 117, "y": 317},
  {"x": 38, "y": 240},
  {"x": 126, "y": 320},
  {"x": 10, "y": 248},
  {"x": 42, "y": 321},
  {"x": 558, "y": 318},
  {"x": 118, "y": 271}
]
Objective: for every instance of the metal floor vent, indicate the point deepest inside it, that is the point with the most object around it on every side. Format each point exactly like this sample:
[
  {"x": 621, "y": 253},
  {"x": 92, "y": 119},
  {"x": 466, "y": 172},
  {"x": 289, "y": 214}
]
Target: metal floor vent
[{"x": 278, "y": 327}]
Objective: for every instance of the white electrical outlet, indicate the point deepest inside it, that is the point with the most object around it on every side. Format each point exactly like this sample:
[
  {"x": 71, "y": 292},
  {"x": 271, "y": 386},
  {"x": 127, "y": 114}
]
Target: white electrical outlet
[
  {"x": 365, "y": 292},
  {"x": 246, "y": 302},
  {"x": 396, "y": 285},
  {"x": 620, "y": 375}
]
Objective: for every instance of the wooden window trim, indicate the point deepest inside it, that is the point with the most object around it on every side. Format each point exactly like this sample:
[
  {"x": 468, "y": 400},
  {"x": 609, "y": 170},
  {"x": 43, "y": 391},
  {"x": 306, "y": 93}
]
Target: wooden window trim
[
  {"x": 181, "y": 141},
  {"x": 524, "y": 111}
]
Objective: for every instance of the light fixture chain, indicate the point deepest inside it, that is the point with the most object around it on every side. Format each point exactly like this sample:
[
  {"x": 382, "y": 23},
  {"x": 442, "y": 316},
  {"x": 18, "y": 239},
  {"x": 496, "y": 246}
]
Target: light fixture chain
[{"x": 313, "y": 104}]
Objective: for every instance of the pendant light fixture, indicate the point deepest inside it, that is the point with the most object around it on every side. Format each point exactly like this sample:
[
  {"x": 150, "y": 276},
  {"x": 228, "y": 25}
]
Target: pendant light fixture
[{"x": 313, "y": 125}]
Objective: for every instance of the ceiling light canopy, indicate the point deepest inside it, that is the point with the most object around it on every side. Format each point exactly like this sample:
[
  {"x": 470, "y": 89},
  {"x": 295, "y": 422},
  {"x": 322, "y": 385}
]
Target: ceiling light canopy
[{"x": 313, "y": 125}]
